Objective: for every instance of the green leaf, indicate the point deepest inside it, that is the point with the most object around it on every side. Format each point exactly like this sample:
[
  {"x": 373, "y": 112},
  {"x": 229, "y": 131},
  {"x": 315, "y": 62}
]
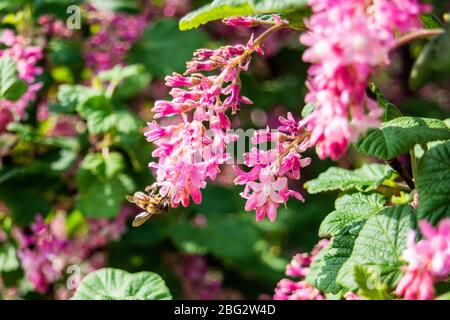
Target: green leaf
[
  {"x": 168, "y": 47},
  {"x": 294, "y": 10},
  {"x": 433, "y": 183},
  {"x": 430, "y": 21},
  {"x": 364, "y": 179},
  {"x": 104, "y": 166},
  {"x": 398, "y": 136},
  {"x": 216, "y": 10},
  {"x": 8, "y": 258},
  {"x": 72, "y": 96},
  {"x": 121, "y": 121},
  {"x": 350, "y": 209},
  {"x": 270, "y": 6},
  {"x": 390, "y": 110},
  {"x": 120, "y": 73},
  {"x": 65, "y": 53},
  {"x": 432, "y": 64},
  {"x": 11, "y": 87},
  {"x": 369, "y": 284},
  {"x": 445, "y": 296},
  {"x": 379, "y": 245},
  {"x": 13, "y": 191},
  {"x": 335, "y": 255},
  {"x": 241, "y": 237},
  {"x": 130, "y": 80},
  {"x": 115, "y": 284},
  {"x": 315, "y": 267},
  {"x": 114, "y": 163},
  {"x": 102, "y": 197}
]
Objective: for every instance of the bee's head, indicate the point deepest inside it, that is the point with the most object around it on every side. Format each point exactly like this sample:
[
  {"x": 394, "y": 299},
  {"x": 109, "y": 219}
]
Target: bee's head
[{"x": 166, "y": 205}]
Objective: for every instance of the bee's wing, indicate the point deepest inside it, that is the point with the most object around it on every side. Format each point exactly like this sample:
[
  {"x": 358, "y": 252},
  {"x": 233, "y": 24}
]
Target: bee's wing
[
  {"x": 141, "y": 218},
  {"x": 130, "y": 198}
]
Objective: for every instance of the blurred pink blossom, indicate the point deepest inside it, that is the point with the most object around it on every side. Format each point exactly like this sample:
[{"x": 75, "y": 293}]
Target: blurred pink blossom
[
  {"x": 428, "y": 261},
  {"x": 347, "y": 40},
  {"x": 26, "y": 58},
  {"x": 288, "y": 289}
]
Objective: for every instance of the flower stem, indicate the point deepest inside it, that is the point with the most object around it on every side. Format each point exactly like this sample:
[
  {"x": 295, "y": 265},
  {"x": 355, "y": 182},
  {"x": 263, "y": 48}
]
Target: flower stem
[{"x": 420, "y": 34}]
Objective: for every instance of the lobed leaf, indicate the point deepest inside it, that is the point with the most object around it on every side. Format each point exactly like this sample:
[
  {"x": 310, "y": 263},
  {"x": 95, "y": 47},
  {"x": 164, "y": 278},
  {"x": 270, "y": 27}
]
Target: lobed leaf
[
  {"x": 294, "y": 10},
  {"x": 115, "y": 284},
  {"x": 400, "y": 135},
  {"x": 433, "y": 183},
  {"x": 379, "y": 245},
  {"x": 8, "y": 258},
  {"x": 11, "y": 87},
  {"x": 364, "y": 179},
  {"x": 332, "y": 260},
  {"x": 350, "y": 209}
]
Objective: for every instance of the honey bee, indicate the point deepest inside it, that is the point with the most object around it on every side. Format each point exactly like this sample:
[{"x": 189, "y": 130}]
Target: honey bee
[{"x": 152, "y": 203}]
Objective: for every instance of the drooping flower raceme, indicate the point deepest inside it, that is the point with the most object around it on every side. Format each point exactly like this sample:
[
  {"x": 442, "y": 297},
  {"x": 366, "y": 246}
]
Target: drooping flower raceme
[
  {"x": 347, "y": 39},
  {"x": 288, "y": 289},
  {"x": 266, "y": 184},
  {"x": 26, "y": 58},
  {"x": 193, "y": 146},
  {"x": 428, "y": 261}
]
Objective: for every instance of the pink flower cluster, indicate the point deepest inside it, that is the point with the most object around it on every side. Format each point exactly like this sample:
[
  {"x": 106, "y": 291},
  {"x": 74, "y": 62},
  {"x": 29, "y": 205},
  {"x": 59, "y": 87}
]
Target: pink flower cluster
[
  {"x": 352, "y": 296},
  {"x": 288, "y": 289},
  {"x": 198, "y": 281},
  {"x": 26, "y": 58},
  {"x": 43, "y": 255},
  {"x": 54, "y": 27},
  {"x": 266, "y": 184},
  {"x": 428, "y": 261},
  {"x": 45, "y": 251},
  {"x": 117, "y": 32},
  {"x": 193, "y": 146},
  {"x": 347, "y": 39}
]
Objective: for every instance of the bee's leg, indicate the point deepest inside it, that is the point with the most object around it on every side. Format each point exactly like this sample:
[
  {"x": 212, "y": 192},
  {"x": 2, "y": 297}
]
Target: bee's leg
[
  {"x": 151, "y": 189},
  {"x": 130, "y": 198}
]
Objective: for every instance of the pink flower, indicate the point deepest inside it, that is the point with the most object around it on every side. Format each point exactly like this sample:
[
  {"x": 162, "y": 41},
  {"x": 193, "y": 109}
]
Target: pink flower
[
  {"x": 198, "y": 281},
  {"x": 288, "y": 289},
  {"x": 347, "y": 40},
  {"x": 43, "y": 255},
  {"x": 45, "y": 251},
  {"x": 352, "y": 296},
  {"x": 26, "y": 58},
  {"x": 273, "y": 168},
  {"x": 428, "y": 261},
  {"x": 301, "y": 290},
  {"x": 299, "y": 265},
  {"x": 241, "y": 21},
  {"x": 54, "y": 27},
  {"x": 266, "y": 197},
  {"x": 109, "y": 46}
]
